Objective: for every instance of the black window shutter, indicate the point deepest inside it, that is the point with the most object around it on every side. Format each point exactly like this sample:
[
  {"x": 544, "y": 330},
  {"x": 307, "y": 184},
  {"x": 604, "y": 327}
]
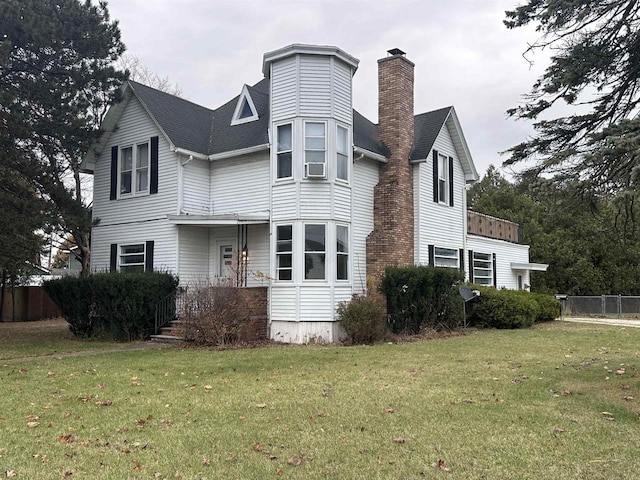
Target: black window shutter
[
  {"x": 435, "y": 176},
  {"x": 148, "y": 256},
  {"x": 153, "y": 182},
  {"x": 451, "y": 181},
  {"x": 461, "y": 259},
  {"x": 432, "y": 255},
  {"x": 470, "y": 266},
  {"x": 113, "y": 258},
  {"x": 113, "y": 194},
  {"x": 495, "y": 274}
]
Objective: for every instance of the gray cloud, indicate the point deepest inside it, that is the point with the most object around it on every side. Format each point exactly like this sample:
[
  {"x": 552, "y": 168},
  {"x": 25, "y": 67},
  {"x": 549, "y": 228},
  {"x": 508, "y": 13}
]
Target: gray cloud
[{"x": 463, "y": 53}]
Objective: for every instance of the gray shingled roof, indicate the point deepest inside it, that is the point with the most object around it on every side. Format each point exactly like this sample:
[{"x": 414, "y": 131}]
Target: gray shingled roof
[
  {"x": 225, "y": 138},
  {"x": 187, "y": 124},
  {"x": 365, "y": 135},
  {"x": 426, "y": 127},
  {"x": 202, "y": 130}
]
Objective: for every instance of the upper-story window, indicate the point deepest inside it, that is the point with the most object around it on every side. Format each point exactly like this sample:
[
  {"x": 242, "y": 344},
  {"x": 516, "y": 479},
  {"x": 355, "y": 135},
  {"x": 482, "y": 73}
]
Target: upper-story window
[
  {"x": 134, "y": 169},
  {"x": 285, "y": 147},
  {"x": 342, "y": 153},
  {"x": 315, "y": 149},
  {"x": 443, "y": 179}
]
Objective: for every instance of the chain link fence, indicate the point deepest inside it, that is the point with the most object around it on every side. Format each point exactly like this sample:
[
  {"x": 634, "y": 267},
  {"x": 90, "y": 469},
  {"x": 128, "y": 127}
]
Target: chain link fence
[{"x": 601, "y": 305}]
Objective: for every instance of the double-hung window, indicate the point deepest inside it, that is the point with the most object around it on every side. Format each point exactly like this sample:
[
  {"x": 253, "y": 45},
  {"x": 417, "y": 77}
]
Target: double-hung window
[
  {"x": 284, "y": 167},
  {"x": 443, "y": 179},
  {"x": 342, "y": 153},
  {"x": 132, "y": 257},
  {"x": 284, "y": 252},
  {"x": 315, "y": 149},
  {"x": 134, "y": 169},
  {"x": 445, "y": 257},
  {"x": 482, "y": 268},
  {"x": 314, "y": 252},
  {"x": 342, "y": 252}
]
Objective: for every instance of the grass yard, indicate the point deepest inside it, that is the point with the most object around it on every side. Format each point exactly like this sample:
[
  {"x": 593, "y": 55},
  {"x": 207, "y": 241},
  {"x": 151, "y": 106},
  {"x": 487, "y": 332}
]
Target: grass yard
[{"x": 557, "y": 401}]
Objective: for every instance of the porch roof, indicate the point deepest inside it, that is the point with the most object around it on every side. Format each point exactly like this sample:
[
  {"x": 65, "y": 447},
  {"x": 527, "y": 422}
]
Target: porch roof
[
  {"x": 225, "y": 219},
  {"x": 540, "y": 267}
]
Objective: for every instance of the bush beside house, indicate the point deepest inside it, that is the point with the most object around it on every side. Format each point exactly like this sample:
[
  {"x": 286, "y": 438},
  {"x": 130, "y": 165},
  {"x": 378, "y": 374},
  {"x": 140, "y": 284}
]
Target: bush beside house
[{"x": 122, "y": 304}]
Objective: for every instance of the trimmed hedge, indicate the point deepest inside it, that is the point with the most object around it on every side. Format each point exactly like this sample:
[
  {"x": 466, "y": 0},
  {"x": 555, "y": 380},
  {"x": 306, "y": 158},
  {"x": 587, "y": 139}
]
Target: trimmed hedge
[
  {"x": 363, "y": 319},
  {"x": 422, "y": 297},
  {"x": 511, "y": 308},
  {"x": 74, "y": 298},
  {"x": 120, "y": 303}
]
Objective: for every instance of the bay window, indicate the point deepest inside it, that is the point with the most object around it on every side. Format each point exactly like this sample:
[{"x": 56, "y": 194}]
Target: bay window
[
  {"x": 284, "y": 151},
  {"x": 284, "y": 252},
  {"x": 314, "y": 252}
]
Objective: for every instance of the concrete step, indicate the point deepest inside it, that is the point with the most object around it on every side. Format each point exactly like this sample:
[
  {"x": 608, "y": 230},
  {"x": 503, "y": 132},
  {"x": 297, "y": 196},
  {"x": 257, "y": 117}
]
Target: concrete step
[{"x": 173, "y": 339}]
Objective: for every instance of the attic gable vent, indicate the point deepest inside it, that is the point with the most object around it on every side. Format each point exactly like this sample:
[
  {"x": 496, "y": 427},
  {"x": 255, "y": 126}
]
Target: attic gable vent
[{"x": 245, "y": 111}]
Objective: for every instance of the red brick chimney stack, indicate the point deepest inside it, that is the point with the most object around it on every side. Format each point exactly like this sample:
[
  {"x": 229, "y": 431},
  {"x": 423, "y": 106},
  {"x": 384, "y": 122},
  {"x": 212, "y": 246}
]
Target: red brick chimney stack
[{"x": 391, "y": 241}]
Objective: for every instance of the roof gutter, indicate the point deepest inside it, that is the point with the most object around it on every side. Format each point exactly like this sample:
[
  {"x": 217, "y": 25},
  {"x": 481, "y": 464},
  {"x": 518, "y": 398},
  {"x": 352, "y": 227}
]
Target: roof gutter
[
  {"x": 189, "y": 153},
  {"x": 370, "y": 154},
  {"x": 236, "y": 153}
]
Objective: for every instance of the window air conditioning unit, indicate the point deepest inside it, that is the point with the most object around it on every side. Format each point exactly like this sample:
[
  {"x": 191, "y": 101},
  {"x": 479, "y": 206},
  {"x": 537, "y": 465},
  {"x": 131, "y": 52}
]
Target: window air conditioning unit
[{"x": 316, "y": 170}]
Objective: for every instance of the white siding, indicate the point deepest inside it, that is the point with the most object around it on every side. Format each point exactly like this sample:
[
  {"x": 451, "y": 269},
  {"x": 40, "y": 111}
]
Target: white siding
[
  {"x": 342, "y": 202},
  {"x": 195, "y": 188},
  {"x": 315, "y": 200},
  {"x": 365, "y": 178},
  {"x": 258, "y": 247},
  {"x": 342, "y": 105},
  {"x": 438, "y": 224},
  {"x": 506, "y": 253},
  {"x": 163, "y": 234},
  {"x": 284, "y": 201},
  {"x": 240, "y": 185},
  {"x": 315, "y": 86},
  {"x": 140, "y": 218},
  {"x": 193, "y": 252},
  {"x": 283, "y": 302},
  {"x": 284, "y": 89}
]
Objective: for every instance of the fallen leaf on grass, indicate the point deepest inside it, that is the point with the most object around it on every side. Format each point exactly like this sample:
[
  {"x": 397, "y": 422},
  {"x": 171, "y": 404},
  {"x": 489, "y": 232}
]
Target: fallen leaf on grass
[
  {"x": 258, "y": 447},
  {"x": 102, "y": 385},
  {"x": 628, "y": 398},
  {"x": 33, "y": 424},
  {"x": 261, "y": 405},
  {"x": 206, "y": 461},
  {"x": 566, "y": 392},
  {"x": 104, "y": 403},
  {"x": 441, "y": 465},
  {"x": 389, "y": 410},
  {"x": 67, "y": 474},
  {"x": 398, "y": 440},
  {"x": 32, "y": 417},
  {"x": 10, "y": 473},
  {"x": 137, "y": 466},
  {"x": 50, "y": 374},
  {"x": 558, "y": 430},
  {"x": 621, "y": 371},
  {"x": 294, "y": 461}
]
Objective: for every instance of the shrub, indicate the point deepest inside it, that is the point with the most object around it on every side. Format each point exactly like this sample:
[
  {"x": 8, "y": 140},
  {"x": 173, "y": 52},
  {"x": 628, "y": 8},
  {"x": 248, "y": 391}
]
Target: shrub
[
  {"x": 127, "y": 301},
  {"x": 548, "y": 307},
  {"x": 122, "y": 303},
  {"x": 503, "y": 309},
  {"x": 363, "y": 319},
  {"x": 213, "y": 314},
  {"x": 422, "y": 297},
  {"x": 74, "y": 298}
]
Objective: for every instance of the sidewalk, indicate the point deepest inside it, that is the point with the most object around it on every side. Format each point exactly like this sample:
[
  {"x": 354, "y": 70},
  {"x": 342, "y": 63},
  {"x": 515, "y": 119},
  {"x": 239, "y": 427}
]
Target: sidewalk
[{"x": 619, "y": 322}]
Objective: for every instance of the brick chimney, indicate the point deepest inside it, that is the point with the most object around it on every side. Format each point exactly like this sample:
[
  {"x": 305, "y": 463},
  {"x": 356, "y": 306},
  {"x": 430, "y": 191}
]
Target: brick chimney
[{"x": 391, "y": 241}]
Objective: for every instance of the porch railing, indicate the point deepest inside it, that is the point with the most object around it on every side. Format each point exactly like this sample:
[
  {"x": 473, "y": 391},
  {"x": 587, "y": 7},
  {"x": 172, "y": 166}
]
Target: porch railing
[{"x": 166, "y": 310}]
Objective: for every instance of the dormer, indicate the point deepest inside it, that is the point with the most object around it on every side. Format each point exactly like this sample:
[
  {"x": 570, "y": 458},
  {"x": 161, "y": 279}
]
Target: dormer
[{"x": 245, "y": 111}]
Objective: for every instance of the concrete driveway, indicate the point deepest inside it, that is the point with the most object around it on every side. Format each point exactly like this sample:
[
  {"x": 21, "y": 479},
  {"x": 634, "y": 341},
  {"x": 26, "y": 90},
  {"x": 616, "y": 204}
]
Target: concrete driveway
[{"x": 619, "y": 322}]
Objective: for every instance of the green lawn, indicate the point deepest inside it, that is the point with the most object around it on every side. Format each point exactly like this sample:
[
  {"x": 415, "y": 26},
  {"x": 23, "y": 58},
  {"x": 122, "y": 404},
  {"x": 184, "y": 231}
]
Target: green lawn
[{"x": 557, "y": 401}]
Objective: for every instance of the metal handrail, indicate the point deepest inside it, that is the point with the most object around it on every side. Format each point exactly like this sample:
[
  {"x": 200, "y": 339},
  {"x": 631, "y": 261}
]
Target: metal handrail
[{"x": 165, "y": 311}]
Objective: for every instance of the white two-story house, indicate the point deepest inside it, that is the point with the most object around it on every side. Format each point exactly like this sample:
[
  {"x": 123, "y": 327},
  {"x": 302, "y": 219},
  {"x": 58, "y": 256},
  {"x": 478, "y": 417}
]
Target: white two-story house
[{"x": 287, "y": 187}]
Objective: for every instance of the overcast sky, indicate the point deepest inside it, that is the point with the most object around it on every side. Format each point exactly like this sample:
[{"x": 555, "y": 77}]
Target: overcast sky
[{"x": 463, "y": 53}]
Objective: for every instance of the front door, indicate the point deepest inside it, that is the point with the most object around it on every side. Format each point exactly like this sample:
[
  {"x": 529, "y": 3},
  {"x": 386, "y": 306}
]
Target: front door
[{"x": 226, "y": 262}]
